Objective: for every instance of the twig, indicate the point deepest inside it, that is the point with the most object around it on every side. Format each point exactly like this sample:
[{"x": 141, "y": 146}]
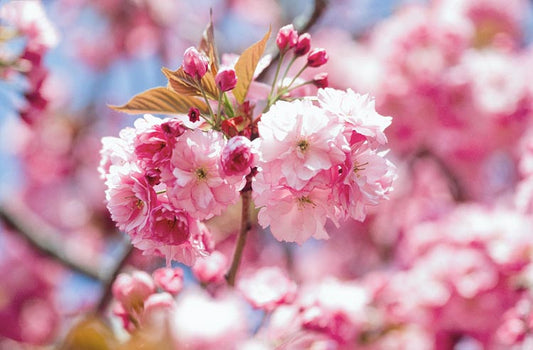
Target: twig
[
  {"x": 241, "y": 239},
  {"x": 43, "y": 237},
  {"x": 456, "y": 188},
  {"x": 302, "y": 24},
  {"x": 108, "y": 283}
]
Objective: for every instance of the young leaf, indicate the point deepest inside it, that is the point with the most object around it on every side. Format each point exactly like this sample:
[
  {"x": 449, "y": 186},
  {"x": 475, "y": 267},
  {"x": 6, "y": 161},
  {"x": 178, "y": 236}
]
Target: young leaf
[
  {"x": 183, "y": 84},
  {"x": 161, "y": 100},
  {"x": 245, "y": 67},
  {"x": 207, "y": 45}
]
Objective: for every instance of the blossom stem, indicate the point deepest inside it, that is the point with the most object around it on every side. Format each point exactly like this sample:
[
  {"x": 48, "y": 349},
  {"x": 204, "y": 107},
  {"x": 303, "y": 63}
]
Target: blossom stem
[
  {"x": 211, "y": 113},
  {"x": 278, "y": 67},
  {"x": 241, "y": 239}
]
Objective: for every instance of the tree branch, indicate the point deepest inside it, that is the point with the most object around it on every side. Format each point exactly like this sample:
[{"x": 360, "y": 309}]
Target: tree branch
[
  {"x": 43, "y": 237},
  {"x": 302, "y": 24}
]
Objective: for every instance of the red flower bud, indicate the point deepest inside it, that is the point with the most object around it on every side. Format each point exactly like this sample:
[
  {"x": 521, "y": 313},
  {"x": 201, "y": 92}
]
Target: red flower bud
[
  {"x": 237, "y": 156},
  {"x": 226, "y": 79},
  {"x": 304, "y": 44},
  {"x": 194, "y": 114},
  {"x": 321, "y": 80},
  {"x": 287, "y": 37},
  {"x": 195, "y": 63},
  {"x": 317, "y": 58}
]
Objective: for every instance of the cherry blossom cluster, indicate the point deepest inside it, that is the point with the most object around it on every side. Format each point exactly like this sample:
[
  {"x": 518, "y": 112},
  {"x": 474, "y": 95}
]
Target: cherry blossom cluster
[{"x": 313, "y": 159}]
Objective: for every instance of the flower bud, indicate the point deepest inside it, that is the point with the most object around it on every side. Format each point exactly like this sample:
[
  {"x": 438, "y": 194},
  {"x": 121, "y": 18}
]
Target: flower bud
[
  {"x": 237, "y": 156},
  {"x": 195, "y": 63},
  {"x": 321, "y": 80},
  {"x": 169, "y": 279},
  {"x": 226, "y": 79},
  {"x": 211, "y": 269},
  {"x": 287, "y": 37},
  {"x": 317, "y": 58},
  {"x": 194, "y": 114},
  {"x": 304, "y": 44},
  {"x": 132, "y": 289}
]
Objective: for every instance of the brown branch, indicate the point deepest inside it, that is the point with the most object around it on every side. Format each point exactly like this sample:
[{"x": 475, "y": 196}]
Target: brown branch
[
  {"x": 302, "y": 24},
  {"x": 108, "y": 283},
  {"x": 43, "y": 237},
  {"x": 241, "y": 239}
]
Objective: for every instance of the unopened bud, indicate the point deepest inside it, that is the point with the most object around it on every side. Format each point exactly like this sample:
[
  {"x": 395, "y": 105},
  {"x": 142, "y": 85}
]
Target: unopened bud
[
  {"x": 194, "y": 114},
  {"x": 237, "y": 156},
  {"x": 304, "y": 44},
  {"x": 321, "y": 80},
  {"x": 287, "y": 37},
  {"x": 317, "y": 58},
  {"x": 195, "y": 63},
  {"x": 226, "y": 79}
]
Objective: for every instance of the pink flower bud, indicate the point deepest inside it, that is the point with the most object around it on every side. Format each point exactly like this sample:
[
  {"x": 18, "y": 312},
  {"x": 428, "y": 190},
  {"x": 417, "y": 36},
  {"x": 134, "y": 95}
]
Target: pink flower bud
[
  {"x": 194, "y": 114},
  {"x": 321, "y": 80},
  {"x": 132, "y": 289},
  {"x": 168, "y": 279},
  {"x": 211, "y": 269},
  {"x": 317, "y": 58},
  {"x": 195, "y": 63},
  {"x": 226, "y": 79},
  {"x": 304, "y": 44},
  {"x": 156, "y": 309},
  {"x": 237, "y": 156},
  {"x": 287, "y": 37}
]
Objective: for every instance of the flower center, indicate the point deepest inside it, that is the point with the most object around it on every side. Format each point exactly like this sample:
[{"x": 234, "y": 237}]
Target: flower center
[
  {"x": 303, "y": 201},
  {"x": 358, "y": 167},
  {"x": 303, "y": 145},
  {"x": 201, "y": 173}
]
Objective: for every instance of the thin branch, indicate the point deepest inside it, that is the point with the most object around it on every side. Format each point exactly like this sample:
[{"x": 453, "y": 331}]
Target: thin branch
[
  {"x": 108, "y": 283},
  {"x": 43, "y": 237},
  {"x": 241, "y": 239},
  {"x": 302, "y": 24}
]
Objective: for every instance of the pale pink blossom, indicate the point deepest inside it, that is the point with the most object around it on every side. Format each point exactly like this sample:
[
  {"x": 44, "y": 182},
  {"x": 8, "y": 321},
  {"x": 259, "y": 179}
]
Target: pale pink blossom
[
  {"x": 131, "y": 290},
  {"x": 267, "y": 287},
  {"x": 298, "y": 140},
  {"x": 154, "y": 140},
  {"x": 168, "y": 279},
  {"x": 366, "y": 178},
  {"x": 293, "y": 216},
  {"x": 174, "y": 248},
  {"x": 198, "y": 184},
  {"x": 30, "y": 18},
  {"x": 117, "y": 151},
  {"x": 130, "y": 198},
  {"x": 211, "y": 269},
  {"x": 356, "y": 111},
  {"x": 203, "y": 322}
]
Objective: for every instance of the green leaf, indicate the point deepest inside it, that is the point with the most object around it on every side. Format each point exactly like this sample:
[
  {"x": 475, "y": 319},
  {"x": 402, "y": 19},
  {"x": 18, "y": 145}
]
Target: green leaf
[
  {"x": 183, "y": 84},
  {"x": 161, "y": 100},
  {"x": 245, "y": 67}
]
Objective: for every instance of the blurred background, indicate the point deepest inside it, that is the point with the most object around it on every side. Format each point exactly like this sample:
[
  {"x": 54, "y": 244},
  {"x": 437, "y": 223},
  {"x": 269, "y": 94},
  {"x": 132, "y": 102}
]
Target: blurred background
[{"x": 455, "y": 75}]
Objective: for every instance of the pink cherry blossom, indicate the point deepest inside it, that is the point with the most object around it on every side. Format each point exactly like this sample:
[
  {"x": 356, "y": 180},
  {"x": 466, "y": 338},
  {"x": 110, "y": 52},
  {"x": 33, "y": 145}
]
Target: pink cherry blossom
[
  {"x": 293, "y": 216},
  {"x": 237, "y": 157},
  {"x": 169, "y": 280},
  {"x": 357, "y": 111},
  {"x": 211, "y": 269},
  {"x": 174, "y": 247},
  {"x": 131, "y": 290},
  {"x": 195, "y": 63},
  {"x": 198, "y": 184},
  {"x": 130, "y": 198},
  {"x": 299, "y": 140},
  {"x": 267, "y": 287},
  {"x": 365, "y": 180}
]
